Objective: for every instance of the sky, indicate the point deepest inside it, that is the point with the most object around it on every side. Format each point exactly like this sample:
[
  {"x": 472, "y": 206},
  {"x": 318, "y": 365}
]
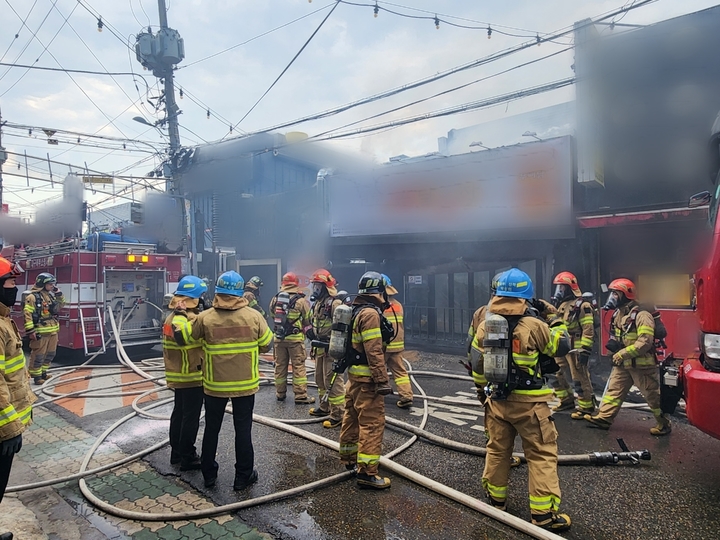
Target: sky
[{"x": 352, "y": 56}]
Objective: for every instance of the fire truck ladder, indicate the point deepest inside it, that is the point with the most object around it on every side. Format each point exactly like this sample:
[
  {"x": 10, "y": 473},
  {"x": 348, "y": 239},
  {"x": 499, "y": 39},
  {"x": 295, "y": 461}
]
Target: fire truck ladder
[{"x": 100, "y": 324}]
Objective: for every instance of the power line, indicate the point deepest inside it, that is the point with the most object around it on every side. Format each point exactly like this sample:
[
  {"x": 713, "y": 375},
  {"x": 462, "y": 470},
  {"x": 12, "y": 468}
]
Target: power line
[
  {"x": 63, "y": 70},
  {"x": 307, "y": 42},
  {"x": 24, "y": 23},
  {"x": 17, "y": 34}
]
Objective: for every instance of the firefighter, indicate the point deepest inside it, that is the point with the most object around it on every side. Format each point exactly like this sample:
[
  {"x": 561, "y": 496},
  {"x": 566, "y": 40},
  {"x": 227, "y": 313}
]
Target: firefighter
[
  {"x": 16, "y": 398},
  {"x": 291, "y": 324},
  {"x": 363, "y": 422},
  {"x": 521, "y": 407},
  {"x": 477, "y": 318},
  {"x": 183, "y": 373},
  {"x": 232, "y": 335},
  {"x": 394, "y": 349},
  {"x": 330, "y": 388},
  {"x": 252, "y": 294},
  {"x": 41, "y": 309},
  {"x": 632, "y": 344},
  {"x": 578, "y": 317}
]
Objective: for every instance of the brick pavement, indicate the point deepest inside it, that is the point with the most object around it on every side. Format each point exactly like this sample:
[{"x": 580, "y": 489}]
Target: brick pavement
[{"x": 53, "y": 447}]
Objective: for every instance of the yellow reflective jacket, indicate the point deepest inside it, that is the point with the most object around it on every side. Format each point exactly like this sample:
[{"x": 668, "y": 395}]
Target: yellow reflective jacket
[
  {"x": 299, "y": 316},
  {"x": 635, "y": 329},
  {"x": 47, "y": 322},
  {"x": 232, "y": 335},
  {"x": 579, "y": 322},
  {"x": 530, "y": 337},
  {"x": 321, "y": 319},
  {"x": 16, "y": 398},
  {"x": 395, "y": 315},
  {"x": 367, "y": 340},
  {"x": 183, "y": 363},
  {"x": 251, "y": 297}
]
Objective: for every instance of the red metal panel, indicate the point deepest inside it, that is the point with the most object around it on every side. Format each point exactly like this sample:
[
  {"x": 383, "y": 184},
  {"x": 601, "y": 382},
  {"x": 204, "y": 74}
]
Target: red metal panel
[
  {"x": 702, "y": 396},
  {"x": 639, "y": 218}
]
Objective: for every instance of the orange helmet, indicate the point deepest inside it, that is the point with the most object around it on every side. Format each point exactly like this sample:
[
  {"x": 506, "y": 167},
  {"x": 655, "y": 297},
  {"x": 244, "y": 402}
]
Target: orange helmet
[
  {"x": 625, "y": 286},
  {"x": 290, "y": 279},
  {"x": 569, "y": 279},
  {"x": 324, "y": 277},
  {"x": 9, "y": 269}
]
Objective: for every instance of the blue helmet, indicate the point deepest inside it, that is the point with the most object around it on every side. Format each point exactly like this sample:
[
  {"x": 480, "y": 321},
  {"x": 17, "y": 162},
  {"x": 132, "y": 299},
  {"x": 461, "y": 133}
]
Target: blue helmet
[
  {"x": 230, "y": 283},
  {"x": 516, "y": 284},
  {"x": 191, "y": 286}
]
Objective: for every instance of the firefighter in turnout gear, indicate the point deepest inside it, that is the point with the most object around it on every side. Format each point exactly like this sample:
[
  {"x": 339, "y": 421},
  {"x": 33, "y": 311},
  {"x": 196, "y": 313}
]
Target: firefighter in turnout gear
[
  {"x": 632, "y": 343},
  {"x": 252, "y": 294},
  {"x": 41, "y": 309},
  {"x": 394, "y": 349},
  {"x": 16, "y": 398},
  {"x": 183, "y": 373},
  {"x": 578, "y": 317},
  {"x": 477, "y": 318},
  {"x": 331, "y": 388},
  {"x": 363, "y": 422},
  {"x": 232, "y": 336},
  {"x": 292, "y": 321},
  {"x": 518, "y": 406}
]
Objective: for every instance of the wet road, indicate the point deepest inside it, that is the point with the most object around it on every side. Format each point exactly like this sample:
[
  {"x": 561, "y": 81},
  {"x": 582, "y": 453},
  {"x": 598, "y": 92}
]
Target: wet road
[{"x": 673, "y": 496}]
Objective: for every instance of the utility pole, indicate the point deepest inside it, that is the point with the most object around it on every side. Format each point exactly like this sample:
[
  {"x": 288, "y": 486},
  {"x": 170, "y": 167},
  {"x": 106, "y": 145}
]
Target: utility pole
[
  {"x": 3, "y": 157},
  {"x": 171, "y": 107}
]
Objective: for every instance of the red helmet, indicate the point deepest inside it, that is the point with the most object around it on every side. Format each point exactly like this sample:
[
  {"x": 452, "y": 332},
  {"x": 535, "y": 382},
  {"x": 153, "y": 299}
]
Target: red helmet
[
  {"x": 9, "y": 269},
  {"x": 566, "y": 278},
  {"x": 324, "y": 277},
  {"x": 290, "y": 279},
  {"x": 625, "y": 286}
]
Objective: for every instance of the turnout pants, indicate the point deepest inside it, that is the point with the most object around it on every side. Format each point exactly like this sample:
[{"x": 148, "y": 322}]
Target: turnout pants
[
  {"x": 185, "y": 422},
  {"x": 336, "y": 393},
  {"x": 580, "y": 377},
  {"x": 42, "y": 352},
  {"x": 363, "y": 426},
  {"x": 242, "y": 420},
  {"x": 396, "y": 365},
  {"x": 533, "y": 422},
  {"x": 647, "y": 379},
  {"x": 285, "y": 353}
]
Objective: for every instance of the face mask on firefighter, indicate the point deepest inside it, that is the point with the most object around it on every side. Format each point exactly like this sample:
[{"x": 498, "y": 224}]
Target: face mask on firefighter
[
  {"x": 615, "y": 300},
  {"x": 562, "y": 292},
  {"x": 318, "y": 291}
]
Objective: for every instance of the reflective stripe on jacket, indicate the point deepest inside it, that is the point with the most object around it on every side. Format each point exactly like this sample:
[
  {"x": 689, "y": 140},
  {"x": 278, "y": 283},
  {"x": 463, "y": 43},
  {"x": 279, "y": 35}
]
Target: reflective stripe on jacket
[
  {"x": 367, "y": 339},
  {"x": 16, "y": 398},
  {"x": 395, "y": 315},
  {"x": 183, "y": 363},
  {"x": 251, "y": 297},
  {"x": 232, "y": 335},
  {"x": 47, "y": 322},
  {"x": 579, "y": 323},
  {"x": 321, "y": 318},
  {"x": 298, "y": 316},
  {"x": 637, "y": 336},
  {"x": 530, "y": 337}
]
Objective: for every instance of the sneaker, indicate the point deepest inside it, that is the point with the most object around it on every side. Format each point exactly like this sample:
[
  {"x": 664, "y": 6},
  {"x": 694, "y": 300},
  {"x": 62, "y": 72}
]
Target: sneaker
[
  {"x": 317, "y": 411},
  {"x": 405, "y": 403},
  {"x": 175, "y": 458},
  {"x": 372, "y": 481},
  {"x": 552, "y": 522},
  {"x": 332, "y": 423},
  {"x": 596, "y": 422},
  {"x": 564, "y": 406},
  {"x": 210, "y": 481},
  {"x": 280, "y": 397},
  {"x": 305, "y": 400},
  {"x": 190, "y": 465},
  {"x": 239, "y": 485}
]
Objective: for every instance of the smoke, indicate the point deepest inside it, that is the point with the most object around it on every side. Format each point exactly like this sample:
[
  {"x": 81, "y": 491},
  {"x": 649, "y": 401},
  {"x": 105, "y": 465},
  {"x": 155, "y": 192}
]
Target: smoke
[{"x": 53, "y": 221}]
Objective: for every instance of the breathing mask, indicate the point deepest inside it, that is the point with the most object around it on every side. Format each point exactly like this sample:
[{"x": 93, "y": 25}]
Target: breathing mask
[
  {"x": 8, "y": 295},
  {"x": 318, "y": 291},
  {"x": 562, "y": 293},
  {"x": 615, "y": 300}
]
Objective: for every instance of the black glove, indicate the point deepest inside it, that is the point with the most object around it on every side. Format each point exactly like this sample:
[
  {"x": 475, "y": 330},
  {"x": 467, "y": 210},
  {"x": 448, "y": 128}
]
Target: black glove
[
  {"x": 537, "y": 304},
  {"x": 613, "y": 345},
  {"x": 383, "y": 389},
  {"x": 11, "y": 446},
  {"x": 583, "y": 357},
  {"x": 310, "y": 334}
]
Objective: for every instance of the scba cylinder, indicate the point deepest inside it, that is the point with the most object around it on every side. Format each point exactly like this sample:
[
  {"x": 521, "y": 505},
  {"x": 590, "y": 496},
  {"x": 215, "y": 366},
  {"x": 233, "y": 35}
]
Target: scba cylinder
[
  {"x": 340, "y": 332},
  {"x": 496, "y": 356}
]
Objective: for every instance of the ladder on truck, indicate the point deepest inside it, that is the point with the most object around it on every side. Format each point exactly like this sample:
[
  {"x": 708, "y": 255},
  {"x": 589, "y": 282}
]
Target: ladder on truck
[{"x": 100, "y": 324}]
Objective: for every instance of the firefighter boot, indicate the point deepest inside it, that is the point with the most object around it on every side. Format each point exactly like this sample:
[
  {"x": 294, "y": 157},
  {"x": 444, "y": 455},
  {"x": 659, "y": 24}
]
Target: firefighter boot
[
  {"x": 317, "y": 411},
  {"x": 552, "y": 522},
  {"x": 332, "y": 423},
  {"x": 372, "y": 481},
  {"x": 596, "y": 422},
  {"x": 405, "y": 403},
  {"x": 305, "y": 400},
  {"x": 564, "y": 405},
  {"x": 39, "y": 380},
  {"x": 580, "y": 413},
  {"x": 663, "y": 426},
  {"x": 497, "y": 505},
  {"x": 6, "y": 536},
  {"x": 241, "y": 484}
]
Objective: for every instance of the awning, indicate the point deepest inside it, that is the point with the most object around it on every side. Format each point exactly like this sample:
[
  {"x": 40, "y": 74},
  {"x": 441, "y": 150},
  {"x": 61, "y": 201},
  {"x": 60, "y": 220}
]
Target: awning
[{"x": 643, "y": 217}]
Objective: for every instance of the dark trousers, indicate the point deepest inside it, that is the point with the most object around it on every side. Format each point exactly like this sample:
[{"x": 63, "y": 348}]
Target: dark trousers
[
  {"x": 5, "y": 466},
  {"x": 242, "y": 420},
  {"x": 185, "y": 422}
]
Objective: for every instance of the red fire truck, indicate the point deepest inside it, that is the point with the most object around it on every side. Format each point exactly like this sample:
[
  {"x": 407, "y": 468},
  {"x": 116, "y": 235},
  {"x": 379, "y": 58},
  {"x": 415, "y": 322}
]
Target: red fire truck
[{"x": 103, "y": 276}]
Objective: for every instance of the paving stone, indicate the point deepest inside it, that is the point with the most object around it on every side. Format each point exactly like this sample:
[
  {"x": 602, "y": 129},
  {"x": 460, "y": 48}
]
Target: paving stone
[{"x": 193, "y": 532}]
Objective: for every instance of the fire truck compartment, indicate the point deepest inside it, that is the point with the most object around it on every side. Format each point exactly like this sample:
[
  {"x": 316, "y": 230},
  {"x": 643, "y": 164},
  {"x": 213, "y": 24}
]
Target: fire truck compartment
[{"x": 132, "y": 297}]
